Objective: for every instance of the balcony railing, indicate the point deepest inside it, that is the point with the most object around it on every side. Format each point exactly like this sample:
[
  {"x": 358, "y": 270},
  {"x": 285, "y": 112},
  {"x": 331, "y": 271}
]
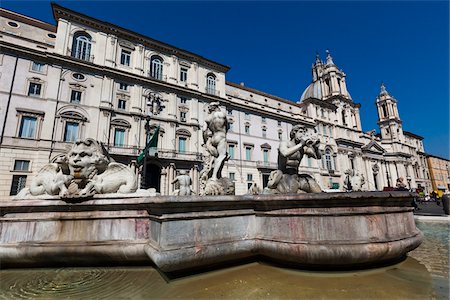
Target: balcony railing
[
  {"x": 124, "y": 149},
  {"x": 181, "y": 155},
  {"x": 156, "y": 77},
  {"x": 81, "y": 56},
  {"x": 212, "y": 91},
  {"x": 266, "y": 164}
]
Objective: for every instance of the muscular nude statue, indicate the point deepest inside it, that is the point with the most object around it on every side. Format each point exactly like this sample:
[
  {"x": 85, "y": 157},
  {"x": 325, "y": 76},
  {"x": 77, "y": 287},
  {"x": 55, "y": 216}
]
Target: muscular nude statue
[
  {"x": 185, "y": 184},
  {"x": 290, "y": 153},
  {"x": 214, "y": 137}
]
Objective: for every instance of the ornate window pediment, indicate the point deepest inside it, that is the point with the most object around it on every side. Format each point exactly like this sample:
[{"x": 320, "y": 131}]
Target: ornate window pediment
[
  {"x": 183, "y": 132},
  {"x": 120, "y": 123},
  {"x": 73, "y": 115}
]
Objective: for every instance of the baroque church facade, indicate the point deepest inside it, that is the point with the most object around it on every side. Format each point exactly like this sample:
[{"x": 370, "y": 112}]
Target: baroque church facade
[{"x": 85, "y": 78}]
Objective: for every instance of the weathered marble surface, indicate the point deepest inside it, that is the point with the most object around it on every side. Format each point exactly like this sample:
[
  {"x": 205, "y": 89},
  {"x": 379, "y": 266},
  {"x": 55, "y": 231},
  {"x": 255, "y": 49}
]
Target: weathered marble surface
[
  {"x": 178, "y": 233},
  {"x": 86, "y": 170}
]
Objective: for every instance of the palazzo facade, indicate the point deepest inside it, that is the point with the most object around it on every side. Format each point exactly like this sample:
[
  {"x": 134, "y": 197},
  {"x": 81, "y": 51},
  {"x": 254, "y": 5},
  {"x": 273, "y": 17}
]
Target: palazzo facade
[{"x": 86, "y": 78}]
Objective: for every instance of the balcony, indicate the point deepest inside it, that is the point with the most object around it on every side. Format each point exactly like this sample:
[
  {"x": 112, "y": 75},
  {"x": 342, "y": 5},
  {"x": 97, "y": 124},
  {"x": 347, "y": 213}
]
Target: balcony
[
  {"x": 179, "y": 155},
  {"x": 212, "y": 91},
  {"x": 81, "y": 55},
  {"x": 266, "y": 165},
  {"x": 157, "y": 77},
  {"x": 124, "y": 150}
]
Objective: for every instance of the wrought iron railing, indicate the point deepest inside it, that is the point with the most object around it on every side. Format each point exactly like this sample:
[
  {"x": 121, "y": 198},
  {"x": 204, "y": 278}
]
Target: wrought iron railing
[
  {"x": 212, "y": 91},
  {"x": 81, "y": 55}
]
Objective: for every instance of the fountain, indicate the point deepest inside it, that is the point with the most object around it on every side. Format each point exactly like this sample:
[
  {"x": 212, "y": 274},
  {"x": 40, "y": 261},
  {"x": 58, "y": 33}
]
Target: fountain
[{"x": 85, "y": 210}]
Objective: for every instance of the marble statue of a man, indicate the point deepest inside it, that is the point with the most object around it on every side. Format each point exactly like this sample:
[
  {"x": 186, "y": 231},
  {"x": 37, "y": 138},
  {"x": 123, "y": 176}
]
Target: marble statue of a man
[{"x": 290, "y": 153}]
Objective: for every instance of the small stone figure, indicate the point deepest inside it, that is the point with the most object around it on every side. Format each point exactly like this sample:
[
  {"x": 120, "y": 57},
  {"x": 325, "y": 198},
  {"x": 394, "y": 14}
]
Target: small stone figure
[
  {"x": 184, "y": 182},
  {"x": 353, "y": 181},
  {"x": 86, "y": 170},
  {"x": 254, "y": 189},
  {"x": 214, "y": 137},
  {"x": 400, "y": 185},
  {"x": 286, "y": 179}
]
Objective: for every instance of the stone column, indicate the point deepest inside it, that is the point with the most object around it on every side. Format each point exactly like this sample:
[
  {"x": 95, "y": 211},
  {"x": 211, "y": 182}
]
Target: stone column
[
  {"x": 195, "y": 179},
  {"x": 171, "y": 177},
  {"x": 163, "y": 181}
]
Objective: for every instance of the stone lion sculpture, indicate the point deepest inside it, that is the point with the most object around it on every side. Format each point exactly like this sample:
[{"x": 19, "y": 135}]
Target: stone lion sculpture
[{"x": 86, "y": 170}]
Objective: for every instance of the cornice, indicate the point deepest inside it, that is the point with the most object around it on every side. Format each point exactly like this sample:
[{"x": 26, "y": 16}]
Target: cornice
[{"x": 60, "y": 12}]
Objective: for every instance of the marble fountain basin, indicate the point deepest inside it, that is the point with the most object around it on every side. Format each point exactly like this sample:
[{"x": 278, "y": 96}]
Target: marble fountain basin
[{"x": 322, "y": 230}]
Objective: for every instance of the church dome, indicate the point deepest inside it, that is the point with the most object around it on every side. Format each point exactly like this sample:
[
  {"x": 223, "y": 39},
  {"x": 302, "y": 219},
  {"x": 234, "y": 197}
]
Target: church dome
[{"x": 312, "y": 91}]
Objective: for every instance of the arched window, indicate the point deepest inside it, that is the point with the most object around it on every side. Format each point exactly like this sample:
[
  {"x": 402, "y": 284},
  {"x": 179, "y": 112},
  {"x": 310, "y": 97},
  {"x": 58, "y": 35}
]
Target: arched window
[
  {"x": 328, "y": 159},
  {"x": 183, "y": 136},
  {"x": 72, "y": 122},
  {"x": 383, "y": 107},
  {"x": 156, "y": 67},
  {"x": 81, "y": 47},
  {"x": 120, "y": 130},
  {"x": 211, "y": 84}
]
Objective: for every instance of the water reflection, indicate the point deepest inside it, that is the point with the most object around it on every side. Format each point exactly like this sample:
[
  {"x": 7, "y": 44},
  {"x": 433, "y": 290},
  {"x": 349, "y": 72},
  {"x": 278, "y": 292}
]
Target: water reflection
[
  {"x": 423, "y": 275},
  {"x": 408, "y": 279}
]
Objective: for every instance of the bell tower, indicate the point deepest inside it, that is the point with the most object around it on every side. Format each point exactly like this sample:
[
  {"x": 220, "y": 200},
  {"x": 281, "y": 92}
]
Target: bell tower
[{"x": 388, "y": 117}]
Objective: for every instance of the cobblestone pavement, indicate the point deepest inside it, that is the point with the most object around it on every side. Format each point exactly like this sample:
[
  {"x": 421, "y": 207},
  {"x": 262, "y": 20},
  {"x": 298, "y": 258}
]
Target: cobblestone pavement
[{"x": 430, "y": 208}]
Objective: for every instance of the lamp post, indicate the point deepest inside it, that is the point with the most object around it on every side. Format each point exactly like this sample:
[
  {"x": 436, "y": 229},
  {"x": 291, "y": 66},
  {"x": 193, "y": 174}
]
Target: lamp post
[{"x": 154, "y": 107}]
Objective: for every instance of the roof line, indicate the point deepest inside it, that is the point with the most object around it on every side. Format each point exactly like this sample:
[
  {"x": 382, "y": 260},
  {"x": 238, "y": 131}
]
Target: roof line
[
  {"x": 413, "y": 135},
  {"x": 261, "y": 93},
  {"x": 26, "y": 19},
  {"x": 435, "y": 156},
  {"x": 117, "y": 30}
]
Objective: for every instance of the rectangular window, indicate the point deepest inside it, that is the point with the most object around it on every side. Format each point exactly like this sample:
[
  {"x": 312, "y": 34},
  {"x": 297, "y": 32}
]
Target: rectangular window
[
  {"x": 37, "y": 67},
  {"x": 28, "y": 127},
  {"x": 280, "y": 135},
  {"x": 309, "y": 162},
  {"x": 183, "y": 100},
  {"x": 230, "y": 112},
  {"x": 247, "y": 129},
  {"x": 75, "y": 96},
  {"x": 231, "y": 151},
  {"x": 34, "y": 89},
  {"x": 247, "y": 116},
  {"x": 230, "y": 126},
  {"x": 183, "y": 74},
  {"x": 122, "y": 104},
  {"x": 21, "y": 165},
  {"x": 266, "y": 155},
  {"x": 264, "y": 132},
  {"x": 249, "y": 177},
  {"x": 183, "y": 116},
  {"x": 123, "y": 86},
  {"x": 279, "y": 123},
  {"x": 18, "y": 183},
  {"x": 119, "y": 137},
  {"x": 232, "y": 176},
  {"x": 182, "y": 144},
  {"x": 125, "y": 57},
  {"x": 248, "y": 153},
  {"x": 71, "y": 132},
  {"x": 263, "y": 120}
]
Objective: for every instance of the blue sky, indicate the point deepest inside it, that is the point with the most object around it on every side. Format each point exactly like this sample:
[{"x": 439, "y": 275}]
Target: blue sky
[{"x": 271, "y": 45}]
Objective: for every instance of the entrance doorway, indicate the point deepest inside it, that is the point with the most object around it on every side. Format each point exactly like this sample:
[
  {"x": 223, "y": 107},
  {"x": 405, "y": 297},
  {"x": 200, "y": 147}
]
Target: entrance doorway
[
  {"x": 265, "y": 179},
  {"x": 152, "y": 177}
]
